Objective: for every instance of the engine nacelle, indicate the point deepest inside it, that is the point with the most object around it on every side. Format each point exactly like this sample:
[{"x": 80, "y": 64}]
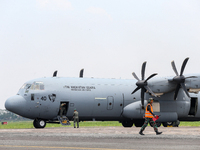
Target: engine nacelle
[
  {"x": 134, "y": 111},
  {"x": 165, "y": 85}
]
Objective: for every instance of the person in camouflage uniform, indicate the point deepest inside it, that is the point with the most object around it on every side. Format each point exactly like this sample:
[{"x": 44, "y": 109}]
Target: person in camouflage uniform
[
  {"x": 76, "y": 118},
  {"x": 62, "y": 109},
  {"x": 149, "y": 118}
]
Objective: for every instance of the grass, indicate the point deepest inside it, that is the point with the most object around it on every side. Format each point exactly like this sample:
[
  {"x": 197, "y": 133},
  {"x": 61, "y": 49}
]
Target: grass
[
  {"x": 190, "y": 124},
  {"x": 29, "y": 124}
]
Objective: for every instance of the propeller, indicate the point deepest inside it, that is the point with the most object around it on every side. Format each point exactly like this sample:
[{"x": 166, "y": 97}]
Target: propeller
[
  {"x": 55, "y": 73},
  {"x": 143, "y": 84},
  {"x": 81, "y": 73},
  {"x": 180, "y": 79}
]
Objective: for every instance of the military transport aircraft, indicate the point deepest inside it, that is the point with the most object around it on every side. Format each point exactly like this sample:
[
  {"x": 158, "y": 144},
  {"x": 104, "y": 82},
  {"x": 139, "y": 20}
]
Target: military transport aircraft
[{"x": 175, "y": 98}]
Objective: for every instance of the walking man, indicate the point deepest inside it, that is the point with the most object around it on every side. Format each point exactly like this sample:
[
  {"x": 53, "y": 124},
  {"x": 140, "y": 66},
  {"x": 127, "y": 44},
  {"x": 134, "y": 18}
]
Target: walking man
[
  {"x": 76, "y": 119},
  {"x": 149, "y": 118}
]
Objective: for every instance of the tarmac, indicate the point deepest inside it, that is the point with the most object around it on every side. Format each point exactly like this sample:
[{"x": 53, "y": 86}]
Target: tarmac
[{"x": 100, "y": 138}]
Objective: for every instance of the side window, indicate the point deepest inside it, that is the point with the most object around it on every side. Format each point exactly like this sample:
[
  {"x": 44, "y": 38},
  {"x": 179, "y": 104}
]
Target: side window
[
  {"x": 23, "y": 86},
  {"x": 32, "y": 97},
  {"x": 33, "y": 86},
  {"x": 37, "y": 86},
  {"x": 26, "y": 86}
]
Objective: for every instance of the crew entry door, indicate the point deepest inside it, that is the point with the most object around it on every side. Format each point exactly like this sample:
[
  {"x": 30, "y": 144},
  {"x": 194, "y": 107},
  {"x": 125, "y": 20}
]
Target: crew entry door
[{"x": 65, "y": 110}]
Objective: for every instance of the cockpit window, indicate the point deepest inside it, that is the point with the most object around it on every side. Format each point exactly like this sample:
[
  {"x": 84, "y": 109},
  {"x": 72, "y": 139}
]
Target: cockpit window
[
  {"x": 37, "y": 86},
  {"x": 26, "y": 86}
]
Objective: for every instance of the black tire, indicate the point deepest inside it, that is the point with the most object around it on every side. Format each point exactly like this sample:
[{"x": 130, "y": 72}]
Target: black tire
[
  {"x": 39, "y": 123},
  {"x": 158, "y": 124},
  {"x": 176, "y": 124},
  {"x": 34, "y": 123},
  {"x": 127, "y": 124},
  {"x": 165, "y": 124},
  {"x": 139, "y": 124}
]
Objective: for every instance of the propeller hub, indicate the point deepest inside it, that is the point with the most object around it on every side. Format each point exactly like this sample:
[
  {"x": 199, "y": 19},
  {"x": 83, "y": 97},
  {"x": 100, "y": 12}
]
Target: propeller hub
[
  {"x": 141, "y": 83},
  {"x": 179, "y": 79}
]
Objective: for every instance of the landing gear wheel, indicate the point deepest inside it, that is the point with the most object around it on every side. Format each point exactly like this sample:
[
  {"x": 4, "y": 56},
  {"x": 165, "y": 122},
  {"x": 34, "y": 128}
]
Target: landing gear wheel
[
  {"x": 139, "y": 124},
  {"x": 127, "y": 123},
  {"x": 158, "y": 124},
  {"x": 39, "y": 123},
  {"x": 176, "y": 124},
  {"x": 165, "y": 124}
]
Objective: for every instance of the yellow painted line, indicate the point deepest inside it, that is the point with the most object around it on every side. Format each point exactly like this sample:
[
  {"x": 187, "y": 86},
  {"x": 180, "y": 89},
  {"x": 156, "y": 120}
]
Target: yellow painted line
[{"x": 47, "y": 147}]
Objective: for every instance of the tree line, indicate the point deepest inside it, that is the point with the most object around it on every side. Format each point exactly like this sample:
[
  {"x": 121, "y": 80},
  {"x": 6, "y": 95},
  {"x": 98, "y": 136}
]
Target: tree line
[{"x": 9, "y": 116}]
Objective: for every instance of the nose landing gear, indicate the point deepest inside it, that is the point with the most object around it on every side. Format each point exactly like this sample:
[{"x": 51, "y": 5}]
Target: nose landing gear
[{"x": 39, "y": 123}]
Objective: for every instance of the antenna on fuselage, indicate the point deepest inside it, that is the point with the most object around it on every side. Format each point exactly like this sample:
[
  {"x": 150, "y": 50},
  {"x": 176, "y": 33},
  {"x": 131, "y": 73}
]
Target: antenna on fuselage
[
  {"x": 55, "y": 73},
  {"x": 81, "y": 73}
]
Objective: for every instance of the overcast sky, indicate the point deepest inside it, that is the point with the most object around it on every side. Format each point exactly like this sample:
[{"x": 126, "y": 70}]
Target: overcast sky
[{"x": 108, "y": 38}]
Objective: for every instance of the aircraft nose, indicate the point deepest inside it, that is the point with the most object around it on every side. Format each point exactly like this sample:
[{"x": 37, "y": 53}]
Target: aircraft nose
[{"x": 15, "y": 104}]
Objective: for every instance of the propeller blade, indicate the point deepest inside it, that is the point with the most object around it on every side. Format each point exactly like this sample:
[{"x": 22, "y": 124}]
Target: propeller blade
[
  {"x": 81, "y": 73},
  {"x": 191, "y": 77},
  {"x": 151, "y": 76},
  {"x": 150, "y": 91},
  {"x": 143, "y": 70},
  {"x": 135, "y": 90},
  {"x": 142, "y": 97},
  {"x": 142, "y": 84},
  {"x": 183, "y": 65},
  {"x": 135, "y": 76},
  {"x": 55, "y": 73},
  {"x": 176, "y": 91},
  {"x": 174, "y": 67},
  {"x": 184, "y": 88}
]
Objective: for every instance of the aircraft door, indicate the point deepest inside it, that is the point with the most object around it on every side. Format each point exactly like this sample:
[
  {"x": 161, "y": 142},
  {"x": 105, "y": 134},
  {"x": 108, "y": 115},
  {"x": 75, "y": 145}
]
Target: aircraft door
[
  {"x": 108, "y": 103},
  {"x": 193, "y": 106},
  {"x": 64, "y": 105},
  {"x": 40, "y": 105},
  {"x": 36, "y": 98}
]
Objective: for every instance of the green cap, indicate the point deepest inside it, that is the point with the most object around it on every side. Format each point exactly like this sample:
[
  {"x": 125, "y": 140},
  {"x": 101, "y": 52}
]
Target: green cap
[{"x": 150, "y": 99}]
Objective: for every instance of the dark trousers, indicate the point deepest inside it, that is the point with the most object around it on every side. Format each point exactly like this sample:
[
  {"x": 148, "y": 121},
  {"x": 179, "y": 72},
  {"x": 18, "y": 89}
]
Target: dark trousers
[
  {"x": 62, "y": 112},
  {"x": 76, "y": 120},
  {"x": 153, "y": 123}
]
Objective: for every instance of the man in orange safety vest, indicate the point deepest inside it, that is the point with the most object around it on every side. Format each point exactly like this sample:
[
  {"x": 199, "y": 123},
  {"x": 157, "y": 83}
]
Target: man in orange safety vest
[{"x": 149, "y": 115}]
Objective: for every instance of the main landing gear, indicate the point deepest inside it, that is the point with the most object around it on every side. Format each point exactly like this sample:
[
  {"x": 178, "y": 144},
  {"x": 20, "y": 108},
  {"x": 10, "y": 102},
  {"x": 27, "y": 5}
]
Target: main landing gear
[
  {"x": 39, "y": 123},
  {"x": 127, "y": 123},
  {"x": 173, "y": 124}
]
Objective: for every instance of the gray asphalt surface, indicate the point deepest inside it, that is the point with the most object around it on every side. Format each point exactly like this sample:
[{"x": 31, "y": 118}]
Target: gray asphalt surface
[{"x": 100, "y": 138}]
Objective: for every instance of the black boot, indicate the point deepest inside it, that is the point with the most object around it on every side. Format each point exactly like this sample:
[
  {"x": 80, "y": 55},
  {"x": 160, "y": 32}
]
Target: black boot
[
  {"x": 157, "y": 133},
  {"x": 141, "y": 133}
]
